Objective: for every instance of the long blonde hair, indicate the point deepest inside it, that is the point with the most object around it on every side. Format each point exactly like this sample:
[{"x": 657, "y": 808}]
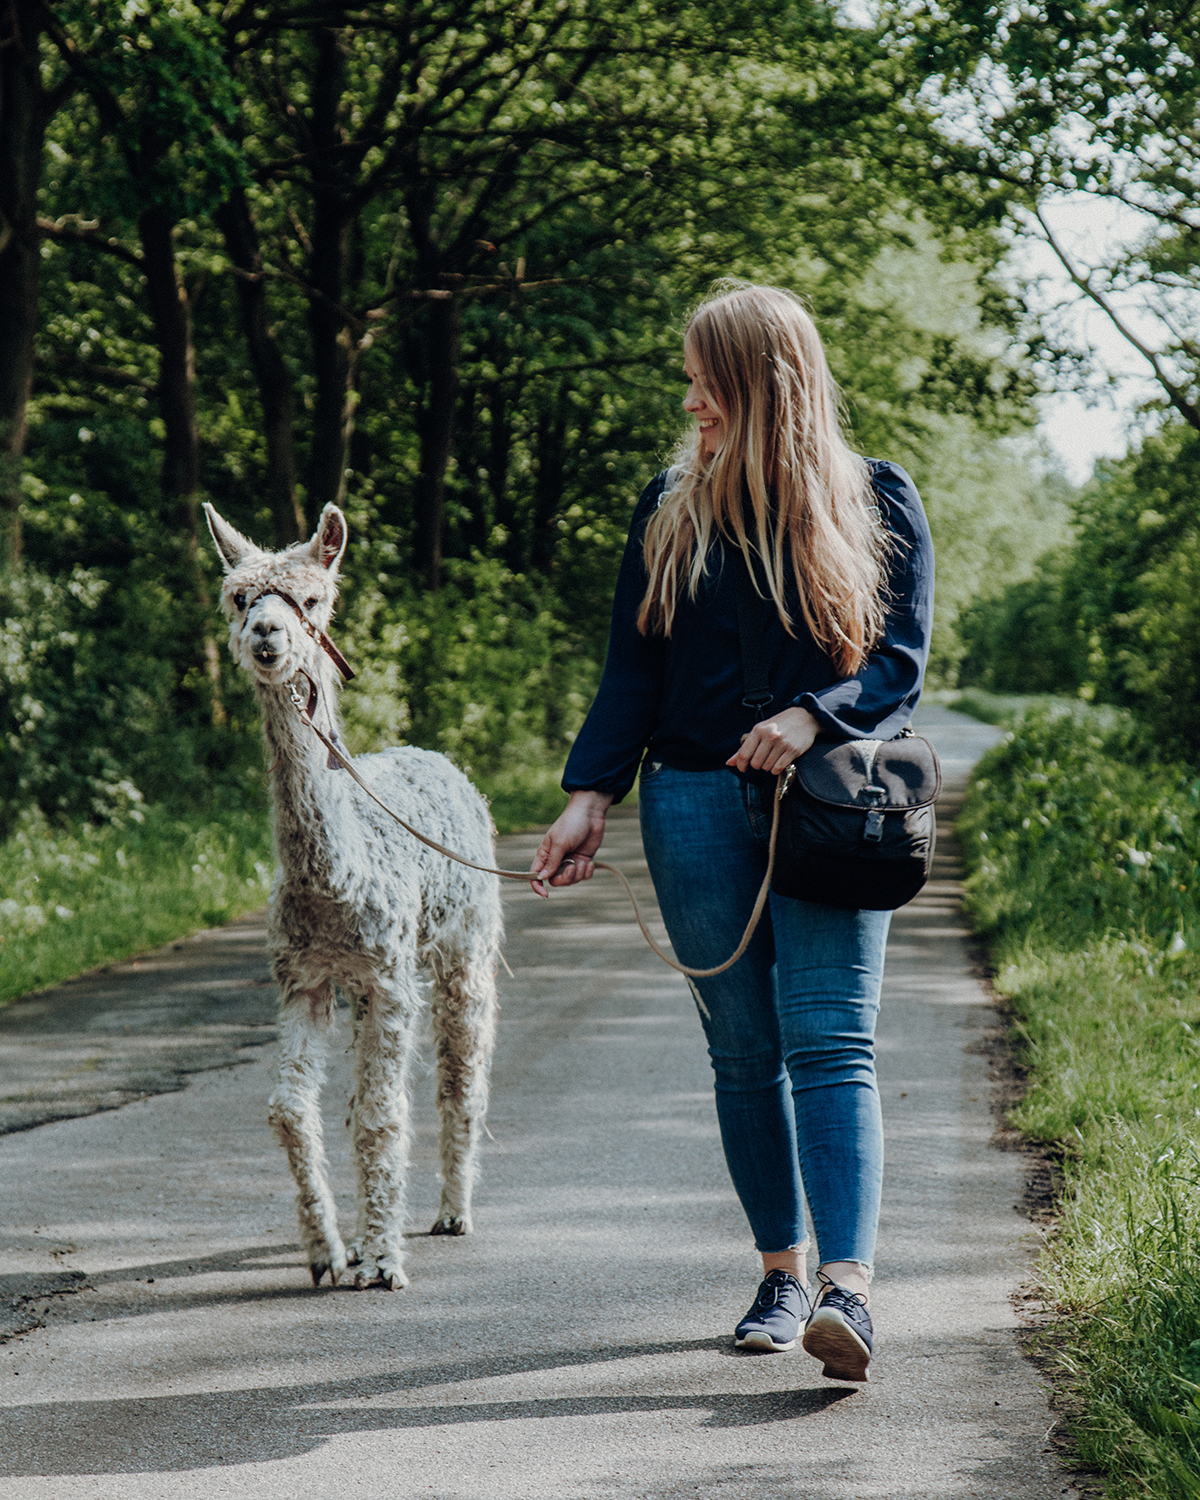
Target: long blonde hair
[{"x": 762, "y": 362}]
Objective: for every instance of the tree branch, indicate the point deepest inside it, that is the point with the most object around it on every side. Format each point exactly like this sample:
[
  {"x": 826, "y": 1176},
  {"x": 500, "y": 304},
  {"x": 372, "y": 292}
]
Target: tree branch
[
  {"x": 74, "y": 229},
  {"x": 1083, "y": 281}
]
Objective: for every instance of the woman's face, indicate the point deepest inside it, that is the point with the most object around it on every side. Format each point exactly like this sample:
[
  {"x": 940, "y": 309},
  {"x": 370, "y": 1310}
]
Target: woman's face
[{"x": 705, "y": 406}]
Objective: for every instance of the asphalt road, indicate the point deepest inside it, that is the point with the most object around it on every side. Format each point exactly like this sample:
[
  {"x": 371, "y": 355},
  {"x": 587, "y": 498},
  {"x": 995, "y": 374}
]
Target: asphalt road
[{"x": 579, "y": 1343}]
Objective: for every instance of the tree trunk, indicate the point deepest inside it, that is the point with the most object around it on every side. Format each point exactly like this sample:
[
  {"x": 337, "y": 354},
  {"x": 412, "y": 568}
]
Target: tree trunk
[
  {"x": 499, "y": 452},
  {"x": 177, "y": 365},
  {"x": 333, "y": 352},
  {"x": 436, "y": 424},
  {"x": 172, "y": 318},
  {"x": 22, "y": 129},
  {"x": 548, "y": 488},
  {"x": 275, "y": 388}
]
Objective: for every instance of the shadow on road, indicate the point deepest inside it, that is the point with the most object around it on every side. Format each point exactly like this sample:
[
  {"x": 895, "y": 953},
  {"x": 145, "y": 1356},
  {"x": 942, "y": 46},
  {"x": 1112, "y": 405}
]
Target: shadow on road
[{"x": 267, "y": 1424}]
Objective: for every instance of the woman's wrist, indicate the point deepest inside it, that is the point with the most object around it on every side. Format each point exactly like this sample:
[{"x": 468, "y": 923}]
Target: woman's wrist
[{"x": 591, "y": 802}]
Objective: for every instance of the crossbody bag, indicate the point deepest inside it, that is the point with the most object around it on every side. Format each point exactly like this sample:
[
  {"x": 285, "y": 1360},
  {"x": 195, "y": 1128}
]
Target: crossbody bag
[{"x": 856, "y": 820}]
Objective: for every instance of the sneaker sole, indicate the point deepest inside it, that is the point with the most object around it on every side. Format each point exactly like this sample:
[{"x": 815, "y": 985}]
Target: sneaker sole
[
  {"x": 830, "y": 1339},
  {"x": 763, "y": 1342}
]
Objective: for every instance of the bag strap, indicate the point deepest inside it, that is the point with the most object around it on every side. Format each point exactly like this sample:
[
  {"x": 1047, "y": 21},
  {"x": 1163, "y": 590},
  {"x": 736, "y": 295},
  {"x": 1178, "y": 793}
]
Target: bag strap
[{"x": 752, "y": 632}]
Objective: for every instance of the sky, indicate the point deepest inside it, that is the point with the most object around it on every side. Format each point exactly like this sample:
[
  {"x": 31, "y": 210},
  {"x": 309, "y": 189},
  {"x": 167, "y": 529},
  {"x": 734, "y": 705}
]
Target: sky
[{"x": 1101, "y": 420}]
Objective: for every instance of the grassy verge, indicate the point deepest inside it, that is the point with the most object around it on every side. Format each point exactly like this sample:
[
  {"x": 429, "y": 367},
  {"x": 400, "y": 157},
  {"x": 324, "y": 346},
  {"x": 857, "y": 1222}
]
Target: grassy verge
[
  {"x": 71, "y": 900},
  {"x": 94, "y": 895},
  {"x": 1084, "y": 854}
]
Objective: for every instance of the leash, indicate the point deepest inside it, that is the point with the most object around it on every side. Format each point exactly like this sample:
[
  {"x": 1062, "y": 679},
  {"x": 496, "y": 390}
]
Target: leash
[{"x": 305, "y": 707}]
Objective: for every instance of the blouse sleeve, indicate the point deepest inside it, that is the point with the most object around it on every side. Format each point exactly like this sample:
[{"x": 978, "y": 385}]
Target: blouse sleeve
[
  {"x": 878, "y": 701},
  {"x": 608, "y": 749}
]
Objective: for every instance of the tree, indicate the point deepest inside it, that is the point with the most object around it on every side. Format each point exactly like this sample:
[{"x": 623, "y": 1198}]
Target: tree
[
  {"x": 155, "y": 75},
  {"x": 26, "y": 107},
  {"x": 1096, "y": 98},
  {"x": 413, "y": 166}
]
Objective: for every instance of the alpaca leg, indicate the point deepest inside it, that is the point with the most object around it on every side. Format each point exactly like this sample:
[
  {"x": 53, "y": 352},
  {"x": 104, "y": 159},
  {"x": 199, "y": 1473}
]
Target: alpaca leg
[
  {"x": 464, "y": 1027},
  {"x": 381, "y": 1132},
  {"x": 294, "y": 1113},
  {"x": 358, "y": 1009}
]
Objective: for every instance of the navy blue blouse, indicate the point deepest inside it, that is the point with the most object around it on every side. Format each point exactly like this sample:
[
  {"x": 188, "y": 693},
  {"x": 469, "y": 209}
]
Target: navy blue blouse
[{"x": 679, "y": 698}]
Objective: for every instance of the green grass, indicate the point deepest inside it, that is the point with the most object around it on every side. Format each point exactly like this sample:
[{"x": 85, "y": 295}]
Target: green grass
[
  {"x": 71, "y": 900},
  {"x": 523, "y": 796},
  {"x": 1084, "y": 854}
]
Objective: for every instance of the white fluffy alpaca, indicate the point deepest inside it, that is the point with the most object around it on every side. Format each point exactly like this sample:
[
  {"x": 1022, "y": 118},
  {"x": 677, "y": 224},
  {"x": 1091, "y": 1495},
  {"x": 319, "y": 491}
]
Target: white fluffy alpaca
[{"x": 359, "y": 903}]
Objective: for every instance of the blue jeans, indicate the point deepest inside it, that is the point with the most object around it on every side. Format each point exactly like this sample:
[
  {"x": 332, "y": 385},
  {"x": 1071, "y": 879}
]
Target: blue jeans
[{"x": 791, "y": 1027}]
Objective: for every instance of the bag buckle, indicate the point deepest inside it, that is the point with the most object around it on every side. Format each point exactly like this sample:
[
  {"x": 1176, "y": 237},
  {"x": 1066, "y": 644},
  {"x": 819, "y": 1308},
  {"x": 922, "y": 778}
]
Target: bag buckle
[{"x": 873, "y": 832}]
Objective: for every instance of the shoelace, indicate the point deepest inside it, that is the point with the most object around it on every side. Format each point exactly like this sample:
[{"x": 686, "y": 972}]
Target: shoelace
[
  {"x": 838, "y": 1296},
  {"x": 771, "y": 1292}
]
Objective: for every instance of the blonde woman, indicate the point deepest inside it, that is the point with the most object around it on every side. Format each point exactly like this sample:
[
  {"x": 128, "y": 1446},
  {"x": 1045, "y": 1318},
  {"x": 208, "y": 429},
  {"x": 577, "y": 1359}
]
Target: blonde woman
[{"x": 840, "y": 545}]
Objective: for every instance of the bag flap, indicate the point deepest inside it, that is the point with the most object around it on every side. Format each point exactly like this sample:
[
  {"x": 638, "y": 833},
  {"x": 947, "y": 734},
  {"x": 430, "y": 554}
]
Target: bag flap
[{"x": 872, "y": 773}]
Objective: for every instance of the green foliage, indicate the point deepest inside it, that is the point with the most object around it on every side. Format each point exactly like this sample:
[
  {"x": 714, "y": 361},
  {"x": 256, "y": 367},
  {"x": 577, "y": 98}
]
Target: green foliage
[
  {"x": 1026, "y": 639},
  {"x": 1116, "y": 615},
  {"x": 456, "y": 252},
  {"x": 1063, "y": 103},
  {"x": 156, "y": 74},
  {"x": 484, "y": 670},
  {"x": 1074, "y": 829},
  {"x": 1136, "y": 583},
  {"x": 1084, "y": 856},
  {"x": 71, "y": 900}
]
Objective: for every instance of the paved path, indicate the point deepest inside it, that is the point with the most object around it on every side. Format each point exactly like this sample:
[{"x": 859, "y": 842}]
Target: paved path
[{"x": 578, "y": 1345}]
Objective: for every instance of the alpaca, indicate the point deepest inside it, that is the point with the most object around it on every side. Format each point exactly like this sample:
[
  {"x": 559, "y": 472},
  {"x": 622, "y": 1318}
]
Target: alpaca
[{"x": 359, "y": 903}]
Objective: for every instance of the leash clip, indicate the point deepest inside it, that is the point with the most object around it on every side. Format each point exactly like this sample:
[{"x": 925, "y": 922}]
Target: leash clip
[{"x": 305, "y": 707}]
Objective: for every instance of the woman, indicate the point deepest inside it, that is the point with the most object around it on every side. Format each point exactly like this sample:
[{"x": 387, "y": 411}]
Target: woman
[{"x": 841, "y": 547}]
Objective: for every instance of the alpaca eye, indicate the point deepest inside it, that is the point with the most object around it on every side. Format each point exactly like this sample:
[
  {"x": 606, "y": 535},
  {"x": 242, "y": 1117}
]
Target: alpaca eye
[
  {"x": 311, "y": 603},
  {"x": 239, "y": 601}
]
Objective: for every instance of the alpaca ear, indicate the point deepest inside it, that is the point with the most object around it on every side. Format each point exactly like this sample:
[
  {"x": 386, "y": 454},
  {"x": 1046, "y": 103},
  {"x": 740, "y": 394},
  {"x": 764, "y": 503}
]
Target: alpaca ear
[
  {"x": 232, "y": 545},
  {"x": 329, "y": 539}
]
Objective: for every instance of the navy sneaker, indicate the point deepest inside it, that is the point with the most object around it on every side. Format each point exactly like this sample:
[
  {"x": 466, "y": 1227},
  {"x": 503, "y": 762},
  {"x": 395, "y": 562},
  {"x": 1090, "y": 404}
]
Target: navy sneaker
[
  {"x": 839, "y": 1332},
  {"x": 773, "y": 1324}
]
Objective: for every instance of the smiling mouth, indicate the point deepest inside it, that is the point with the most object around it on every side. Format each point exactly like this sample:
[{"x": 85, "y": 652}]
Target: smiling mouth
[{"x": 707, "y": 422}]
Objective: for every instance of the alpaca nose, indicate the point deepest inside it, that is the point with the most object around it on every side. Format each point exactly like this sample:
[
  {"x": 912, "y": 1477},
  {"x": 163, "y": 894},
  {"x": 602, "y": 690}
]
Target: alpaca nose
[{"x": 263, "y": 628}]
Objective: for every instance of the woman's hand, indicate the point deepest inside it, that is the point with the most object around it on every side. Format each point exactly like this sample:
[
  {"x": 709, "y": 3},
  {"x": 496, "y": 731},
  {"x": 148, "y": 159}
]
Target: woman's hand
[
  {"x": 565, "y": 856},
  {"x": 775, "y": 743}
]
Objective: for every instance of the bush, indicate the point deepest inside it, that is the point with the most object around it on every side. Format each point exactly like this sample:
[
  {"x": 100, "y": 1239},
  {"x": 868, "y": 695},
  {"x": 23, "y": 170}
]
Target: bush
[
  {"x": 485, "y": 670},
  {"x": 1075, "y": 829}
]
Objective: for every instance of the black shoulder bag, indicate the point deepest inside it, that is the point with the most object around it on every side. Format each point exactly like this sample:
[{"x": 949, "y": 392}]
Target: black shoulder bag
[{"x": 856, "y": 819}]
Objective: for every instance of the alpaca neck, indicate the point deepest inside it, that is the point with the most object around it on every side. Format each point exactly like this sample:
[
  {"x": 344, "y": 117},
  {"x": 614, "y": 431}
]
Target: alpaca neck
[{"x": 310, "y": 800}]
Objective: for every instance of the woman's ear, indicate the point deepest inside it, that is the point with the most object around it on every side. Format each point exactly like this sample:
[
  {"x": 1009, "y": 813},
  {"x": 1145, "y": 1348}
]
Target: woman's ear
[{"x": 329, "y": 539}]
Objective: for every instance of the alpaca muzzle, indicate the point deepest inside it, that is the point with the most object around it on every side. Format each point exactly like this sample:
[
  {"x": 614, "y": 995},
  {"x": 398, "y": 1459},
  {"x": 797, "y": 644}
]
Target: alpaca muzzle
[{"x": 314, "y": 632}]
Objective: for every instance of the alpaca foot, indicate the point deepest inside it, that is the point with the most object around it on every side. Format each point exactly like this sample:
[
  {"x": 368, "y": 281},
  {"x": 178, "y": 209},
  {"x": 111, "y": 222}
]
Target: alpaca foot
[
  {"x": 384, "y": 1273},
  {"x": 353, "y": 1253},
  {"x": 452, "y": 1224},
  {"x": 325, "y": 1257}
]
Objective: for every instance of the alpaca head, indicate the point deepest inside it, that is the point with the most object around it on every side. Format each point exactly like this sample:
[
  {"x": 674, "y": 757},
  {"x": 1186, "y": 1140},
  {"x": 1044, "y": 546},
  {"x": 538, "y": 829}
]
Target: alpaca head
[{"x": 265, "y": 635}]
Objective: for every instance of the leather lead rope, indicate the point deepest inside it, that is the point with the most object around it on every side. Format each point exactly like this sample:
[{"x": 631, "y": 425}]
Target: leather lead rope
[{"x": 305, "y": 707}]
